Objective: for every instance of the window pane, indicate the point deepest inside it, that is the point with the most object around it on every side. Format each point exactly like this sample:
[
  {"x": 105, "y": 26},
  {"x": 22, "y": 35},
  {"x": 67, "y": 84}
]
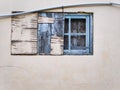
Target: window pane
[
  {"x": 66, "y": 26},
  {"x": 78, "y": 25},
  {"x": 65, "y": 42},
  {"x": 78, "y": 42},
  {"x": 81, "y": 41}
]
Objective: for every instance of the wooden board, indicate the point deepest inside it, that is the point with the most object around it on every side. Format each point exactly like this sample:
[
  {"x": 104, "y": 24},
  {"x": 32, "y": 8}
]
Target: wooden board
[
  {"x": 57, "y": 37},
  {"x": 24, "y": 34},
  {"x": 44, "y": 35},
  {"x": 24, "y": 48},
  {"x": 45, "y": 20},
  {"x": 30, "y": 21},
  {"x": 56, "y": 45},
  {"x": 19, "y": 34}
]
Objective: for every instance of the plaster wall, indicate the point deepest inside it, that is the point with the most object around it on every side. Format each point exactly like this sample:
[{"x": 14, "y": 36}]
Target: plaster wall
[{"x": 99, "y": 71}]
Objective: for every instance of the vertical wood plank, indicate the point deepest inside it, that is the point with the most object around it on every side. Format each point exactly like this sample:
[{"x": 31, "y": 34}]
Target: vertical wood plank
[
  {"x": 44, "y": 35},
  {"x": 59, "y": 24},
  {"x": 57, "y": 37},
  {"x": 56, "y": 45}
]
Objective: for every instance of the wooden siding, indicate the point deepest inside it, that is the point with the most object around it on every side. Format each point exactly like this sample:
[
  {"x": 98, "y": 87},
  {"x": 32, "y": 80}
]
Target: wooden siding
[{"x": 24, "y": 34}]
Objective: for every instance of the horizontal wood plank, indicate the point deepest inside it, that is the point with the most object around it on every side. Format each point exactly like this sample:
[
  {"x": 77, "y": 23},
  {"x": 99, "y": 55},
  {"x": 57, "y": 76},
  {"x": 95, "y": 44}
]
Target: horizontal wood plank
[
  {"x": 24, "y": 34},
  {"x": 24, "y": 48},
  {"x": 56, "y": 45},
  {"x": 45, "y": 20}
]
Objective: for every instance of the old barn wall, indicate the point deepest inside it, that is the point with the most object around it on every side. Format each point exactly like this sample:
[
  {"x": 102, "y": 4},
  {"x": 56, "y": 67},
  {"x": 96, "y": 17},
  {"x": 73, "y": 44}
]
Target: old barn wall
[{"x": 99, "y": 71}]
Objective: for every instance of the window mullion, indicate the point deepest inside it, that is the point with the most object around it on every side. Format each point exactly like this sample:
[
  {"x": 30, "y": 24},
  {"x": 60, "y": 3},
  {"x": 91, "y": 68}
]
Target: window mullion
[
  {"x": 69, "y": 35},
  {"x": 87, "y": 32}
]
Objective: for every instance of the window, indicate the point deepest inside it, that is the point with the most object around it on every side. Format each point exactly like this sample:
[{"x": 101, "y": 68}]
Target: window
[
  {"x": 52, "y": 34},
  {"x": 77, "y": 34}
]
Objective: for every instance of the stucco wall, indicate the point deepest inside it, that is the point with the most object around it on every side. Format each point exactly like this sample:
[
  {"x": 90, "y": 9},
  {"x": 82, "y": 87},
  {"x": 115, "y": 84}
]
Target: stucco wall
[{"x": 99, "y": 71}]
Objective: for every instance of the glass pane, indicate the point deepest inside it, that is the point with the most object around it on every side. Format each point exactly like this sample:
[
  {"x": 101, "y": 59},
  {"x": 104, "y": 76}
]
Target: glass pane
[
  {"x": 65, "y": 42},
  {"x": 66, "y": 26},
  {"x": 78, "y": 25},
  {"x": 81, "y": 41},
  {"x": 78, "y": 42}
]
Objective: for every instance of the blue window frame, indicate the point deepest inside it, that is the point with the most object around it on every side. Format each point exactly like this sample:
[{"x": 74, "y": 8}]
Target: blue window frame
[{"x": 78, "y": 34}]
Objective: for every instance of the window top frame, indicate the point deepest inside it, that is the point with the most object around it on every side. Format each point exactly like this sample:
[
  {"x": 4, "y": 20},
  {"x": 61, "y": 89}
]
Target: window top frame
[{"x": 76, "y": 16}]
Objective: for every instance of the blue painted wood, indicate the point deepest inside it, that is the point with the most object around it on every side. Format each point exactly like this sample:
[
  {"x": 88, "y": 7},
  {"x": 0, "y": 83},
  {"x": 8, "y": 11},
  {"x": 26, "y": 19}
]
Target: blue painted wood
[
  {"x": 44, "y": 35},
  {"x": 75, "y": 34},
  {"x": 69, "y": 37},
  {"x": 58, "y": 24},
  {"x": 87, "y": 33},
  {"x": 91, "y": 34}
]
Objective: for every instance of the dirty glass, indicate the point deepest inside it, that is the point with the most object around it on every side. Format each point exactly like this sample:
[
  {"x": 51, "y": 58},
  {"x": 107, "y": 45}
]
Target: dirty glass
[
  {"x": 78, "y": 42},
  {"x": 66, "y": 42},
  {"x": 66, "y": 26},
  {"x": 78, "y": 25}
]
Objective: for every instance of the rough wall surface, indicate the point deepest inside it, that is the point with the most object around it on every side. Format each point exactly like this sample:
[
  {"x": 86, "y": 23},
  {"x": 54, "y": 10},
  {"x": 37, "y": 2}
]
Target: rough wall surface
[{"x": 96, "y": 72}]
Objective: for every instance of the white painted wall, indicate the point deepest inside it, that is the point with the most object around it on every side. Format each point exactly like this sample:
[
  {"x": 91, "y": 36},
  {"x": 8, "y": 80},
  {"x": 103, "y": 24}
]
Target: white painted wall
[{"x": 95, "y": 72}]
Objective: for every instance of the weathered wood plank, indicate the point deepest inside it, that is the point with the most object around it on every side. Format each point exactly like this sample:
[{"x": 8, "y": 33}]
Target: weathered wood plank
[
  {"x": 56, "y": 45},
  {"x": 30, "y": 21},
  {"x": 24, "y": 34},
  {"x": 59, "y": 24},
  {"x": 45, "y": 20},
  {"x": 24, "y": 48},
  {"x": 46, "y": 14},
  {"x": 57, "y": 37},
  {"x": 44, "y": 35},
  {"x": 24, "y": 27}
]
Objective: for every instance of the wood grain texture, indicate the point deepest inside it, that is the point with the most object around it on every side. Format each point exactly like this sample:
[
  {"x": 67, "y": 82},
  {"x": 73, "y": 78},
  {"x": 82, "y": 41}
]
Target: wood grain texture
[
  {"x": 45, "y": 20},
  {"x": 50, "y": 33},
  {"x": 44, "y": 35},
  {"x": 19, "y": 34},
  {"x": 24, "y": 34},
  {"x": 57, "y": 36},
  {"x": 56, "y": 45},
  {"x": 24, "y": 48},
  {"x": 59, "y": 24}
]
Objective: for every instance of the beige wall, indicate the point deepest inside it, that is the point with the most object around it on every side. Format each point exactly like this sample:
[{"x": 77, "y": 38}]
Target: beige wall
[{"x": 95, "y": 72}]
